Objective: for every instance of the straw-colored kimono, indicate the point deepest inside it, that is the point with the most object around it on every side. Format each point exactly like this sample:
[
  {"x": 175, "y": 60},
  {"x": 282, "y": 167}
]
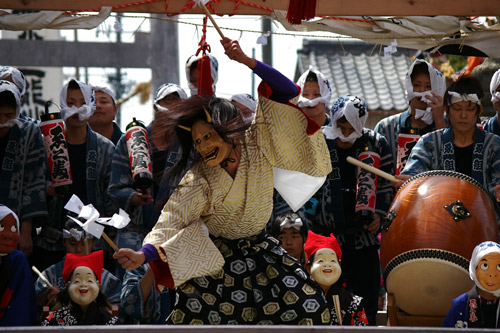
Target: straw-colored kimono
[{"x": 209, "y": 201}]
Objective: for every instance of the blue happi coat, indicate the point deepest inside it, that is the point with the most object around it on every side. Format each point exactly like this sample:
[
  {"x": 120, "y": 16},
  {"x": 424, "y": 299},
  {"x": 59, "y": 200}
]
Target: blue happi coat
[{"x": 22, "y": 178}]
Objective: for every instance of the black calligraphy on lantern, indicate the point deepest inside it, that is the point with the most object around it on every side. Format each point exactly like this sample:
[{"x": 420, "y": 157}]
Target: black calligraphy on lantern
[
  {"x": 366, "y": 189},
  {"x": 139, "y": 150},
  {"x": 58, "y": 149}
]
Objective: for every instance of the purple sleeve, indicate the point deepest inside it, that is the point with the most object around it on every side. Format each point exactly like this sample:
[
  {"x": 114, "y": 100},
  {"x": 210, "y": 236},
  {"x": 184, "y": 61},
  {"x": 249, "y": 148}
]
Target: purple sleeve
[
  {"x": 150, "y": 252},
  {"x": 283, "y": 89}
]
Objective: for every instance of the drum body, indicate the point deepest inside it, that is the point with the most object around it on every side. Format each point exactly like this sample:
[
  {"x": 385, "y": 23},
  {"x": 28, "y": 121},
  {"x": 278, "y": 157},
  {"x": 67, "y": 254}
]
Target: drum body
[{"x": 436, "y": 220}]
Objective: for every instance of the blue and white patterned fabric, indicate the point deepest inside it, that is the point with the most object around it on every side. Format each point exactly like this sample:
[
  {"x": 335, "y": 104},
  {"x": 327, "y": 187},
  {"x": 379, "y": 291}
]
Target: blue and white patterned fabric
[
  {"x": 490, "y": 125},
  {"x": 22, "y": 178},
  {"x": 330, "y": 211},
  {"x": 121, "y": 190},
  {"x": 434, "y": 151},
  {"x": 390, "y": 128},
  {"x": 99, "y": 153},
  {"x": 154, "y": 310}
]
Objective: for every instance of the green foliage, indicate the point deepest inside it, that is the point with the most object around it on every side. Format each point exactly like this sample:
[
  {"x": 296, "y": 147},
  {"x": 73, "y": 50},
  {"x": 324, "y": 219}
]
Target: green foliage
[{"x": 457, "y": 61}]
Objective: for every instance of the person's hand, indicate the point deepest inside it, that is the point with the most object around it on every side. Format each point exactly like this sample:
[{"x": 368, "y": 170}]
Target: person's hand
[
  {"x": 436, "y": 103},
  {"x": 233, "y": 50},
  {"x": 374, "y": 227},
  {"x": 401, "y": 178},
  {"x": 51, "y": 293},
  {"x": 52, "y": 192},
  {"x": 129, "y": 259},
  {"x": 496, "y": 189},
  {"x": 25, "y": 243},
  {"x": 142, "y": 198}
]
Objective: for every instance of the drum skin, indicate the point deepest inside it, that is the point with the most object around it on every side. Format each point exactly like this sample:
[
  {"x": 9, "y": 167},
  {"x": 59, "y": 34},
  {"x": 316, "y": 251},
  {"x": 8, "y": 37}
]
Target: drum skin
[{"x": 425, "y": 251}]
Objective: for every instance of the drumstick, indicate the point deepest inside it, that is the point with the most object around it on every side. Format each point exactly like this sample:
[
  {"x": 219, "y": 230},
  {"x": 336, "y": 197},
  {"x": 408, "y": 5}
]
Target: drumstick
[
  {"x": 211, "y": 19},
  {"x": 42, "y": 277},
  {"x": 336, "y": 304},
  {"x": 371, "y": 169}
]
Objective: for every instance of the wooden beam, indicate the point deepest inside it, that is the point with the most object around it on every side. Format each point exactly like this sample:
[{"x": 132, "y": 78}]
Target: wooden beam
[
  {"x": 324, "y": 8},
  {"x": 58, "y": 53}
]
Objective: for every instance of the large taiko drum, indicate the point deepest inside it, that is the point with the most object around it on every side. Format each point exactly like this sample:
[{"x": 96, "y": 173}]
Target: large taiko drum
[{"x": 433, "y": 225}]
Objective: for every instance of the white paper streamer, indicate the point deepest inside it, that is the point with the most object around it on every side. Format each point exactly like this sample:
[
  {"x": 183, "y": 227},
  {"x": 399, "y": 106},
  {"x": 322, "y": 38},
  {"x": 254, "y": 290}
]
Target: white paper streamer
[{"x": 93, "y": 224}]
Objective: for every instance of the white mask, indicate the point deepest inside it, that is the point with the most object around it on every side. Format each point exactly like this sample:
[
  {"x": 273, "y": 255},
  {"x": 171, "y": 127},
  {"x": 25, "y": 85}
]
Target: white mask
[
  {"x": 337, "y": 134},
  {"x": 304, "y": 102},
  {"x": 425, "y": 115}
]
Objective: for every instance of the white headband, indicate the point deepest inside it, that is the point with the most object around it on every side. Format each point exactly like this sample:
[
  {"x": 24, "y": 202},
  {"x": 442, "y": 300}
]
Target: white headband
[
  {"x": 288, "y": 223},
  {"x": 479, "y": 252},
  {"x": 12, "y": 88},
  {"x": 85, "y": 111},
  {"x": 355, "y": 111},
  {"x": 214, "y": 68},
  {"x": 4, "y": 211},
  {"x": 456, "y": 98},
  {"x": 495, "y": 82},
  {"x": 76, "y": 234},
  {"x": 438, "y": 81},
  {"x": 324, "y": 89},
  {"x": 246, "y": 100},
  {"x": 17, "y": 77},
  {"x": 169, "y": 88},
  {"x": 105, "y": 90}
]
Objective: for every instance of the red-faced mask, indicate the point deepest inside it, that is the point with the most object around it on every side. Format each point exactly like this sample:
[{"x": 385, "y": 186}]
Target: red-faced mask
[{"x": 9, "y": 230}]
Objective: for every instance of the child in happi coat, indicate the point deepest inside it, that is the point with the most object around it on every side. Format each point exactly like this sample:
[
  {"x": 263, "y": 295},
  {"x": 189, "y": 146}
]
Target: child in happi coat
[
  {"x": 292, "y": 233},
  {"x": 479, "y": 307},
  {"x": 17, "y": 293},
  {"x": 82, "y": 302},
  {"x": 323, "y": 263}
]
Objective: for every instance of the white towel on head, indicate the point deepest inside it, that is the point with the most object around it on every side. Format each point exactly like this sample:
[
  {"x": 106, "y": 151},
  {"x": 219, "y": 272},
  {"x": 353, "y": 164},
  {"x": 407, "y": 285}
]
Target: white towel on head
[
  {"x": 169, "y": 88},
  {"x": 438, "y": 82},
  {"x": 324, "y": 89},
  {"x": 355, "y": 111},
  {"x": 495, "y": 82},
  {"x": 4, "y": 211},
  {"x": 17, "y": 77},
  {"x": 105, "y": 90},
  {"x": 214, "y": 71},
  {"x": 85, "y": 111},
  {"x": 11, "y": 87},
  {"x": 456, "y": 98}
]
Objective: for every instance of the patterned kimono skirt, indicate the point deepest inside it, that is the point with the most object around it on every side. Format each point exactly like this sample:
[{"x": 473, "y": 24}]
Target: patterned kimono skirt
[{"x": 259, "y": 284}]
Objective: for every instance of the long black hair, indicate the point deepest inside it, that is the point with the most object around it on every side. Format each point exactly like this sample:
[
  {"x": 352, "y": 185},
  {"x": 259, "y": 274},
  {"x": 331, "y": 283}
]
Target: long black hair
[{"x": 180, "y": 117}]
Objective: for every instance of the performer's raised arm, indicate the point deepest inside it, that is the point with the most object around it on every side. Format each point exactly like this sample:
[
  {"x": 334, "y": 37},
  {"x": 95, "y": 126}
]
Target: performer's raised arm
[{"x": 282, "y": 89}]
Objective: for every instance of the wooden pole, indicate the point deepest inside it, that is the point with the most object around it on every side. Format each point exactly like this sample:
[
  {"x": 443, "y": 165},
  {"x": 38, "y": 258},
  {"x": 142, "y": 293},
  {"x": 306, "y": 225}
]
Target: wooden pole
[
  {"x": 109, "y": 241},
  {"x": 42, "y": 277},
  {"x": 338, "y": 311},
  {"x": 212, "y": 20},
  {"x": 371, "y": 169}
]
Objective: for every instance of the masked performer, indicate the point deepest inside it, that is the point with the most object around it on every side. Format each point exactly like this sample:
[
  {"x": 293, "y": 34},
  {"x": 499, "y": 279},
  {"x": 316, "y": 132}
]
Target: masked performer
[
  {"x": 82, "y": 302},
  {"x": 352, "y": 201},
  {"x": 323, "y": 263},
  {"x": 17, "y": 300},
  {"x": 209, "y": 240},
  {"x": 479, "y": 307}
]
